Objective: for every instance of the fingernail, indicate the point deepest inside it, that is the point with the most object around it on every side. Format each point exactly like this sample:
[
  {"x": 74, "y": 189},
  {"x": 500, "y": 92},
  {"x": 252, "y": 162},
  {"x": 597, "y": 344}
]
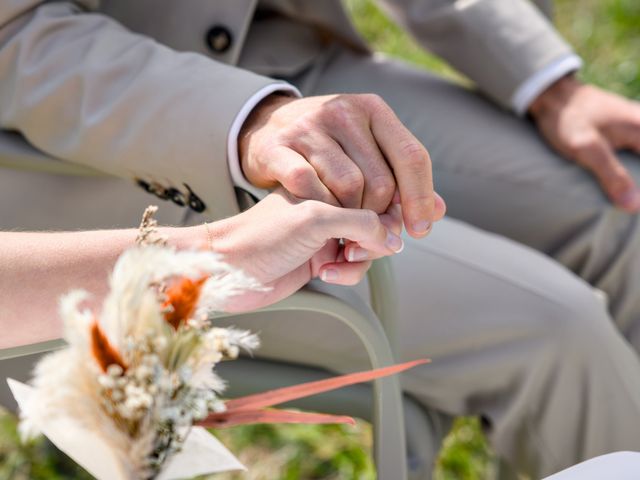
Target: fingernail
[
  {"x": 630, "y": 199},
  {"x": 422, "y": 226},
  {"x": 357, "y": 254},
  {"x": 394, "y": 242},
  {"x": 329, "y": 275}
]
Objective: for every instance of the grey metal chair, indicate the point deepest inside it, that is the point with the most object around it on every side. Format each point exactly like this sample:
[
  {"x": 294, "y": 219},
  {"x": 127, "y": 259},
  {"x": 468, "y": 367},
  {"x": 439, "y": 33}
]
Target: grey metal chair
[{"x": 384, "y": 404}]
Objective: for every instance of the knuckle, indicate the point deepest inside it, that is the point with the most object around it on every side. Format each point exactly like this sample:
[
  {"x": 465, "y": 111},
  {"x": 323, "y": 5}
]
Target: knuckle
[
  {"x": 269, "y": 151},
  {"x": 382, "y": 187},
  {"x": 415, "y": 155},
  {"x": 340, "y": 112},
  {"x": 312, "y": 212},
  {"x": 350, "y": 182},
  {"x": 299, "y": 176},
  {"x": 300, "y": 138},
  {"x": 373, "y": 100},
  {"x": 580, "y": 144},
  {"x": 370, "y": 220}
]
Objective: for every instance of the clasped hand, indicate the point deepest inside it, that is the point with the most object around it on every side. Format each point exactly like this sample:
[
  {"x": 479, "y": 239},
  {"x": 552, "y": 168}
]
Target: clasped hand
[
  {"x": 285, "y": 242},
  {"x": 344, "y": 150}
]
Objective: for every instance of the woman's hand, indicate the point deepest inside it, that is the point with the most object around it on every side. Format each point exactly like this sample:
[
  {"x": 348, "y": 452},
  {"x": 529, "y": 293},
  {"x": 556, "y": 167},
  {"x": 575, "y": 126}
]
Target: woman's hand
[{"x": 284, "y": 242}]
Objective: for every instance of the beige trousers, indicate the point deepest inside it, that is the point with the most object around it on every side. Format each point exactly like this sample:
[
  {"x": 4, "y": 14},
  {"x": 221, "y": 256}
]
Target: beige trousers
[
  {"x": 496, "y": 173},
  {"x": 514, "y": 336}
]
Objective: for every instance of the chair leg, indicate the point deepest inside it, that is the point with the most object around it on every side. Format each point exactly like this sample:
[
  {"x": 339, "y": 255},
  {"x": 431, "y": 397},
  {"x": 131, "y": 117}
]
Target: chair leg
[{"x": 424, "y": 434}]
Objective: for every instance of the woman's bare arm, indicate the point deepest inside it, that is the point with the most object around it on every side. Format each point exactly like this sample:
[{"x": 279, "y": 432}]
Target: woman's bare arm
[
  {"x": 282, "y": 242},
  {"x": 37, "y": 268}
]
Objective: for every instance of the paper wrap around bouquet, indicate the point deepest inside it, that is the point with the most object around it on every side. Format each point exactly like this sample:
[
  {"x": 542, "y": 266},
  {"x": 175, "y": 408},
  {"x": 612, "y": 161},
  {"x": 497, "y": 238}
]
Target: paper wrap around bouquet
[{"x": 201, "y": 453}]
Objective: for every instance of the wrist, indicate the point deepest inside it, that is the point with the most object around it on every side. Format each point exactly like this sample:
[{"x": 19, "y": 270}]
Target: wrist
[
  {"x": 230, "y": 238},
  {"x": 256, "y": 120},
  {"x": 220, "y": 236},
  {"x": 555, "y": 97},
  {"x": 186, "y": 238},
  {"x": 215, "y": 236}
]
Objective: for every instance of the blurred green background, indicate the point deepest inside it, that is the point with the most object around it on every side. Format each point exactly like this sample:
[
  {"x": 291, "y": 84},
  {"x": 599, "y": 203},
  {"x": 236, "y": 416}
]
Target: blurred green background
[{"x": 606, "y": 34}]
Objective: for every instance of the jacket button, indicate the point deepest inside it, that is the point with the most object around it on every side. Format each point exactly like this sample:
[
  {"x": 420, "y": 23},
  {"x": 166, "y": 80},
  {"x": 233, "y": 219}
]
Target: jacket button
[
  {"x": 144, "y": 185},
  {"x": 218, "y": 39},
  {"x": 195, "y": 203},
  {"x": 177, "y": 197},
  {"x": 160, "y": 191}
]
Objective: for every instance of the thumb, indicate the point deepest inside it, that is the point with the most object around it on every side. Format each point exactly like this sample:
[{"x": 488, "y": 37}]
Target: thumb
[{"x": 358, "y": 225}]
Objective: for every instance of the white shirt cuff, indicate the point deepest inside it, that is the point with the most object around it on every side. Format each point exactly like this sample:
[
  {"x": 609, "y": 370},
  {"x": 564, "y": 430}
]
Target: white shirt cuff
[
  {"x": 529, "y": 90},
  {"x": 233, "y": 158}
]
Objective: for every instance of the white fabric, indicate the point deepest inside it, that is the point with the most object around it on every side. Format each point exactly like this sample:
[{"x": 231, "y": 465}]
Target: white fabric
[
  {"x": 233, "y": 158},
  {"x": 529, "y": 90},
  {"x": 201, "y": 453},
  {"x": 618, "y": 465}
]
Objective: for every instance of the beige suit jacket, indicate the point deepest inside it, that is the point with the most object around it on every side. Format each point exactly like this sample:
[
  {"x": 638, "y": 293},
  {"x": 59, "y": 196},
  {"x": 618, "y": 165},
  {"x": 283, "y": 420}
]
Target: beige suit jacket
[{"x": 147, "y": 90}]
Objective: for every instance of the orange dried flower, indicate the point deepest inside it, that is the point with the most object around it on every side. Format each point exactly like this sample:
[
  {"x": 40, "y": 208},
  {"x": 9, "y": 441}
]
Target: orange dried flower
[
  {"x": 182, "y": 297},
  {"x": 104, "y": 353}
]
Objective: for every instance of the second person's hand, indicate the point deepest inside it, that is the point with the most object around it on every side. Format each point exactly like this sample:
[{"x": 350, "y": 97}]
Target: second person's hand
[{"x": 587, "y": 125}]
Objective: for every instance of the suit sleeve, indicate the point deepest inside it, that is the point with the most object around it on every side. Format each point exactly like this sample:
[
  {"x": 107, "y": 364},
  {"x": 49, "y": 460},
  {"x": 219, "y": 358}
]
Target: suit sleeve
[
  {"x": 499, "y": 44},
  {"x": 82, "y": 88}
]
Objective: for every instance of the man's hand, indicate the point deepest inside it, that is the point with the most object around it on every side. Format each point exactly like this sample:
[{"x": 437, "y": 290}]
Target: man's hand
[
  {"x": 346, "y": 150},
  {"x": 586, "y": 125}
]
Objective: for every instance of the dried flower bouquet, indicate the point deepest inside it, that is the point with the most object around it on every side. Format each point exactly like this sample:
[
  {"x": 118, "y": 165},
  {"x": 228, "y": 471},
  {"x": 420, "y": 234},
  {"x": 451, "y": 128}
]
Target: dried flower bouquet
[{"x": 123, "y": 397}]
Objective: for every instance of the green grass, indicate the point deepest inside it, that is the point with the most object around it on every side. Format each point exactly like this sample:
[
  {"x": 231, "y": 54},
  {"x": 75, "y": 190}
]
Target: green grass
[
  {"x": 284, "y": 452},
  {"x": 606, "y": 34},
  {"x": 385, "y": 36}
]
